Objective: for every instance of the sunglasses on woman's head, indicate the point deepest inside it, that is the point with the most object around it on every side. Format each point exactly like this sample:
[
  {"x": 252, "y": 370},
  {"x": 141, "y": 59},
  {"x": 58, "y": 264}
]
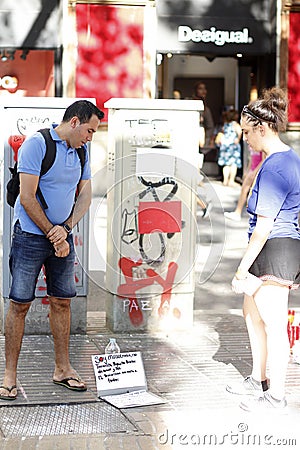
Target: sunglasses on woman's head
[{"x": 247, "y": 111}]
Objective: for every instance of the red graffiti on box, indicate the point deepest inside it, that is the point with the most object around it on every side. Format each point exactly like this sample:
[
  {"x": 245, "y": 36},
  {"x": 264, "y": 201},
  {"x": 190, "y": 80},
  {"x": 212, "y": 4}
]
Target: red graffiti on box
[{"x": 131, "y": 286}]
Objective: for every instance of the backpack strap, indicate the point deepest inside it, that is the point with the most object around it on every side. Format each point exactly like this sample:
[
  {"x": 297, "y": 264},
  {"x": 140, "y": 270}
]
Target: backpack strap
[
  {"x": 50, "y": 154},
  {"x": 81, "y": 155},
  {"x": 47, "y": 161}
]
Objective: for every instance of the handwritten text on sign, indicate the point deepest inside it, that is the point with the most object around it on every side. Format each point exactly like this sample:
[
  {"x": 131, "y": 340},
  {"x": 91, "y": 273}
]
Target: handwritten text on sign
[{"x": 119, "y": 372}]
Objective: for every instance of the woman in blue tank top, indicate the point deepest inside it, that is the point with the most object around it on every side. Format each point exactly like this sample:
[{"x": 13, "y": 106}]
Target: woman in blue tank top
[{"x": 273, "y": 251}]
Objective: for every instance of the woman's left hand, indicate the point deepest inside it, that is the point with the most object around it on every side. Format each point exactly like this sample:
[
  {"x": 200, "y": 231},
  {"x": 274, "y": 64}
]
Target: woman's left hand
[
  {"x": 239, "y": 280},
  {"x": 238, "y": 285}
]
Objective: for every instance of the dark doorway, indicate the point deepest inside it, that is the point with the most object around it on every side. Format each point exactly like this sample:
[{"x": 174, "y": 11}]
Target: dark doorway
[{"x": 215, "y": 92}]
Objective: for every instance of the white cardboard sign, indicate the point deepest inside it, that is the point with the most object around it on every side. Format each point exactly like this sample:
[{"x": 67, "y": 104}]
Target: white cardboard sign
[
  {"x": 121, "y": 380},
  {"x": 119, "y": 373}
]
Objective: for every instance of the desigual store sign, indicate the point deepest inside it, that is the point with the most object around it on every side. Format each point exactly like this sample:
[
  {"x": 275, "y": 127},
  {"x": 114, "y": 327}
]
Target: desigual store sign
[
  {"x": 217, "y": 37},
  {"x": 210, "y": 27}
]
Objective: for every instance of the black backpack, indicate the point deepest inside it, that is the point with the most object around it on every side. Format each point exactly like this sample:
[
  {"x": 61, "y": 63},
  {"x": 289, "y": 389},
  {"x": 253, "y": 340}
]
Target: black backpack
[{"x": 13, "y": 185}]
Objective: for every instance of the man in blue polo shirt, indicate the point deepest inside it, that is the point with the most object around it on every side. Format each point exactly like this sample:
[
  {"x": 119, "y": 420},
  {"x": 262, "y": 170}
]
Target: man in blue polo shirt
[{"x": 44, "y": 237}]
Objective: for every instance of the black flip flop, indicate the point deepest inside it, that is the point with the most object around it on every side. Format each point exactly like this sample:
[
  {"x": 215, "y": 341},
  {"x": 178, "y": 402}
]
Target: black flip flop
[
  {"x": 65, "y": 383},
  {"x": 8, "y": 389}
]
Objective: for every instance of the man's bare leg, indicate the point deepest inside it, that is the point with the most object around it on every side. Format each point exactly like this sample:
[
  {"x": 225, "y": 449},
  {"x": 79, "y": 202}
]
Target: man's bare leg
[
  {"x": 60, "y": 323},
  {"x": 14, "y": 331}
]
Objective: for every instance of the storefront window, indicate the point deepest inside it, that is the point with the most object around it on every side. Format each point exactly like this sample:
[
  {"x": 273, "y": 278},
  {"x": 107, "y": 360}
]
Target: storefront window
[{"x": 110, "y": 52}]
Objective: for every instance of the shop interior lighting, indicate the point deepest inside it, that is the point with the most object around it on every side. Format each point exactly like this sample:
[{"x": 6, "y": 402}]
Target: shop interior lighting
[
  {"x": 7, "y": 54},
  {"x": 4, "y": 57}
]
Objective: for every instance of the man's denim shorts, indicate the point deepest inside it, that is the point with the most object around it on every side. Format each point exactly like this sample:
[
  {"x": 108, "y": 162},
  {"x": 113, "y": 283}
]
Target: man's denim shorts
[{"x": 29, "y": 252}]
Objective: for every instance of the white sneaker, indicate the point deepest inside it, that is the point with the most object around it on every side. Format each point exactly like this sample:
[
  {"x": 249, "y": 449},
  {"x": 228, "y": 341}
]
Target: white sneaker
[
  {"x": 233, "y": 216},
  {"x": 248, "y": 386},
  {"x": 266, "y": 403}
]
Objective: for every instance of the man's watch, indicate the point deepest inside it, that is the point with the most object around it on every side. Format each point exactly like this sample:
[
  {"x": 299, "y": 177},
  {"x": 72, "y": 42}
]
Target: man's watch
[{"x": 67, "y": 228}]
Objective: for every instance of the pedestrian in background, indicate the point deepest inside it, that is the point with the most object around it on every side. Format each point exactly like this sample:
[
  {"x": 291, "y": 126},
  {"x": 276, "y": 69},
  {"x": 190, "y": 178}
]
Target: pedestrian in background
[
  {"x": 273, "y": 251},
  {"x": 206, "y": 123},
  {"x": 229, "y": 147},
  {"x": 255, "y": 161},
  {"x": 44, "y": 237},
  {"x": 206, "y": 139}
]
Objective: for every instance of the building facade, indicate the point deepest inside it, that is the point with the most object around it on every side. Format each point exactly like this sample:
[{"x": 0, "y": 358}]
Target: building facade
[{"x": 105, "y": 49}]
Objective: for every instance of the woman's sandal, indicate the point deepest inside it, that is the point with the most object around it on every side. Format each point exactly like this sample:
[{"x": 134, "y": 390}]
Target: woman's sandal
[{"x": 9, "y": 390}]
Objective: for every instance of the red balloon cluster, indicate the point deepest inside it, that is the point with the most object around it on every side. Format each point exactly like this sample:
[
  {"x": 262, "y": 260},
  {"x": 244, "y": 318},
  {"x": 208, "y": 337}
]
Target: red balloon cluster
[{"x": 110, "y": 52}]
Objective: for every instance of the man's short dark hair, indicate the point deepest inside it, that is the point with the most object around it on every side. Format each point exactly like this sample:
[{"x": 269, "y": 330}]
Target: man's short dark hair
[{"x": 84, "y": 110}]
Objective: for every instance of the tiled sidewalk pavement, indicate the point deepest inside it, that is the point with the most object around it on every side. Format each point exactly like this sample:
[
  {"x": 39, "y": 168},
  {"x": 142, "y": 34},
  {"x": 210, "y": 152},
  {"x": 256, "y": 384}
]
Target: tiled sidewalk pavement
[{"x": 189, "y": 370}]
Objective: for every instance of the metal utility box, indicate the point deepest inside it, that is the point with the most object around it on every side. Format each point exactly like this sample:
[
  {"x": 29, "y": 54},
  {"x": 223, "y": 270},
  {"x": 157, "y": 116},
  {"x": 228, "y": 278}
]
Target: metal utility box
[
  {"x": 153, "y": 153},
  {"x": 21, "y": 117}
]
